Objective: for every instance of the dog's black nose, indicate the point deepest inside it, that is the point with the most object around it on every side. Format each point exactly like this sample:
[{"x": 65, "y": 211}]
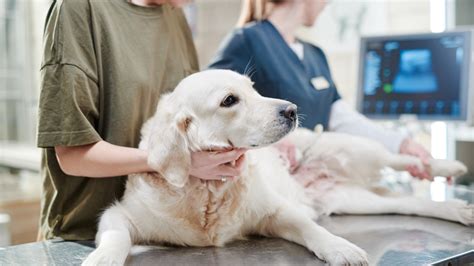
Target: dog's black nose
[{"x": 289, "y": 112}]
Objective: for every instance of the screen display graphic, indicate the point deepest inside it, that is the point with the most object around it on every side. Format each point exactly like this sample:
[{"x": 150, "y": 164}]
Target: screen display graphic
[{"x": 414, "y": 75}]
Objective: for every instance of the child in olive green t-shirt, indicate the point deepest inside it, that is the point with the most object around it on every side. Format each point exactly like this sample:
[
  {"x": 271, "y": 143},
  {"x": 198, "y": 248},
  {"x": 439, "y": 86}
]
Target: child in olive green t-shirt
[{"x": 105, "y": 65}]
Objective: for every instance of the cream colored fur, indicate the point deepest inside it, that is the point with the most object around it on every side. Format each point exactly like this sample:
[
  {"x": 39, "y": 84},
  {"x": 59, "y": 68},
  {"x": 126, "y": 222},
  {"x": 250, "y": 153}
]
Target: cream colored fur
[{"x": 173, "y": 207}]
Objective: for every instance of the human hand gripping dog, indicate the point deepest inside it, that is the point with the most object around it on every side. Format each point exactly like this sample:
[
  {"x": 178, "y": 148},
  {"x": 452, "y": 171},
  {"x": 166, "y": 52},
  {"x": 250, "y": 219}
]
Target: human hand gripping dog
[
  {"x": 410, "y": 147},
  {"x": 217, "y": 165}
]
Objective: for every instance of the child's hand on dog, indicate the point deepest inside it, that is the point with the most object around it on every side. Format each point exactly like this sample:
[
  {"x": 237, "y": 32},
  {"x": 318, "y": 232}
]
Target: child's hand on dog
[{"x": 217, "y": 165}]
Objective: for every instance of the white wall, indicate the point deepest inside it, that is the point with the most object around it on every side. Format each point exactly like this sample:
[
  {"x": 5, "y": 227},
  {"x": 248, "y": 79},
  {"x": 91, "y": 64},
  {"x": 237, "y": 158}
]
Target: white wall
[{"x": 215, "y": 19}]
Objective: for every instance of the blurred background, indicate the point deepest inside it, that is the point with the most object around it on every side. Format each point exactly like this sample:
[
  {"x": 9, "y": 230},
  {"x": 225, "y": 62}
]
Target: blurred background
[{"x": 337, "y": 32}]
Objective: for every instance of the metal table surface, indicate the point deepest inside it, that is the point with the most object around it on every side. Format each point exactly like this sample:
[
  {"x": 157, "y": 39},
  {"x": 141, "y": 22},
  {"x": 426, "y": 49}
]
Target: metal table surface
[{"x": 388, "y": 239}]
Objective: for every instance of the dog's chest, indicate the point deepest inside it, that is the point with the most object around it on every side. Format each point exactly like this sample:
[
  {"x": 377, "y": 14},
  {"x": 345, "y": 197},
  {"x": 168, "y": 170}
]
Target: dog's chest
[
  {"x": 216, "y": 208},
  {"x": 203, "y": 213}
]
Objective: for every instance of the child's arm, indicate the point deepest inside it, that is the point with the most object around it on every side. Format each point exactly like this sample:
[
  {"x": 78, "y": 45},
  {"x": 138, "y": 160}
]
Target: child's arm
[{"x": 102, "y": 159}]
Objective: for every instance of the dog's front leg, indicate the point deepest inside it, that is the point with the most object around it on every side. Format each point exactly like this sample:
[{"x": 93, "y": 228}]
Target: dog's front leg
[
  {"x": 297, "y": 227},
  {"x": 113, "y": 239}
]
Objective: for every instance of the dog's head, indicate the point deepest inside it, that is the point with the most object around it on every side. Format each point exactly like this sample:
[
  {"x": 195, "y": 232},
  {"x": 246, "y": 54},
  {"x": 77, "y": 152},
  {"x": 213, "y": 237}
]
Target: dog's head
[{"x": 209, "y": 110}]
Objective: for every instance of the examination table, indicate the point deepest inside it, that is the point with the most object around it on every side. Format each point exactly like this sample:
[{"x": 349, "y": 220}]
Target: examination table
[{"x": 388, "y": 239}]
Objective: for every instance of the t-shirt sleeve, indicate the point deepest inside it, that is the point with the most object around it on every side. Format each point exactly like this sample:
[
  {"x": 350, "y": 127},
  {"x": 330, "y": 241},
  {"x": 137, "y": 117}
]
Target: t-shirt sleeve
[
  {"x": 234, "y": 54},
  {"x": 68, "y": 107},
  {"x": 69, "y": 96}
]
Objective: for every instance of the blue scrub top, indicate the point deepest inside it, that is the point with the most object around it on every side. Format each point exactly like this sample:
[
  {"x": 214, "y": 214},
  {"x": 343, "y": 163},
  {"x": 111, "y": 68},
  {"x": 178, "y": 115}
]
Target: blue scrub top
[{"x": 259, "y": 51}]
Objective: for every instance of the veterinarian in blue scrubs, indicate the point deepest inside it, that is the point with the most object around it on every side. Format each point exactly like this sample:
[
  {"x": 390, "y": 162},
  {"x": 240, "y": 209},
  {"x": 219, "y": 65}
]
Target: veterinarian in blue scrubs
[{"x": 265, "y": 48}]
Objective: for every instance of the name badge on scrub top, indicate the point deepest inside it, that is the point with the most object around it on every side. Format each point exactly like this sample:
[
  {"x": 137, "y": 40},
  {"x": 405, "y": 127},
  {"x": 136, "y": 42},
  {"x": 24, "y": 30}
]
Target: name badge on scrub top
[{"x": 320, "y": 83}]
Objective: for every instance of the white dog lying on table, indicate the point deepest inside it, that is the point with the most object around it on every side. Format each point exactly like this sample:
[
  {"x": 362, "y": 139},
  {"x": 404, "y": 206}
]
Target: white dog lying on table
[{"x": 220, "y": 109}]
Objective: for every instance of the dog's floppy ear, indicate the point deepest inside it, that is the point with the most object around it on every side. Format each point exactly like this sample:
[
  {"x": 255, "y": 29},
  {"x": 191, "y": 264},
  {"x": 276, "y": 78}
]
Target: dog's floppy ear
[{"x": 168, "y": 149}]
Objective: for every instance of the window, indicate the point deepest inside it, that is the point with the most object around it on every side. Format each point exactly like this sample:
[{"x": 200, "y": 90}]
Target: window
[{"x": 18, "y": 95}]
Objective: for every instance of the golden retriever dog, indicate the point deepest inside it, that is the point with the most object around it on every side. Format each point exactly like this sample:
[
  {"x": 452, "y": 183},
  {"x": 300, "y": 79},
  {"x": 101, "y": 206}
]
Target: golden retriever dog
[{"x": 280, "y": 190}]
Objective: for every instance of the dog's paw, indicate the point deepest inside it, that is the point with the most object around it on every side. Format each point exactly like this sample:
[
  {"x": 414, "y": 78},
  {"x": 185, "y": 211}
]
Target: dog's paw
[
  {"x": 339, "y": 251},
  {"x": 465, "y": 214},
  {"x": 104, "y": 257},
  {"x": 458, "y": 211},
  {"x": 447, "y": 168}
]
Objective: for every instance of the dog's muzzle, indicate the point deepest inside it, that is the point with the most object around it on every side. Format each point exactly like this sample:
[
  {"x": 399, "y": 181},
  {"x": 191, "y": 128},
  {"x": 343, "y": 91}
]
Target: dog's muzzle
[{"x": 288, "y": 115}]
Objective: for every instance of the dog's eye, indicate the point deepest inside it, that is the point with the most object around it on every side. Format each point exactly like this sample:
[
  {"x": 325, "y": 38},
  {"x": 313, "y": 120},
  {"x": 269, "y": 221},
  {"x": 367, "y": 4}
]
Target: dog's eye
[{"x": 229, "y": 100}]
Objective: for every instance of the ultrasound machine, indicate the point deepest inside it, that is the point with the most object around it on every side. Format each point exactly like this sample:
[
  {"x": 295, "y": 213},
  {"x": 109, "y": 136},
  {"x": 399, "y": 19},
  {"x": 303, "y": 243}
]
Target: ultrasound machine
[{"x": 426, "y": 76}]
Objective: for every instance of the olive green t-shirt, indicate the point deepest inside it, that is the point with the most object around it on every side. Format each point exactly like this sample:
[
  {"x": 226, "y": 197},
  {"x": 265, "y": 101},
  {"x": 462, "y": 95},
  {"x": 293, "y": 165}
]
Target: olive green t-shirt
[{"x": 105, "y": 65}]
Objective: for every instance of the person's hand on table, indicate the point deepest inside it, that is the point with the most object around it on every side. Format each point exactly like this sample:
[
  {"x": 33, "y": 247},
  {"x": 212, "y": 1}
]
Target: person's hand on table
[
  {"x": 217, "y": 165},
  {"x": 411, "y": 147}
]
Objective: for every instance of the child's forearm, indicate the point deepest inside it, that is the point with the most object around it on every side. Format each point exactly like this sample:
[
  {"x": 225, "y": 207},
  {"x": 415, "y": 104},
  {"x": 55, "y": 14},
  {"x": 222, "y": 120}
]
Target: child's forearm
[{"x": 101, "y": 159}]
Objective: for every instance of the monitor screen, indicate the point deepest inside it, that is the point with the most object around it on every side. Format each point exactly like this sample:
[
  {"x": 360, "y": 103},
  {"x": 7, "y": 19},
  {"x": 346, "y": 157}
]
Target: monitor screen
[{"x": 424, "y": 74}]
